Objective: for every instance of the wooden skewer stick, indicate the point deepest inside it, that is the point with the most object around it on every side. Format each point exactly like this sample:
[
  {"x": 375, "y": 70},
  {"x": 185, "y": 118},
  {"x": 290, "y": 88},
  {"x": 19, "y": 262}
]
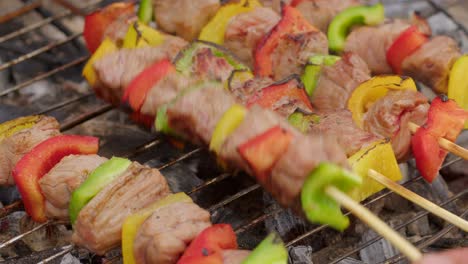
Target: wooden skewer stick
[
  {"x": 444, "y": 143},
  {"x": 405, "y": 247},
  {"x": 415, "y": 198}
]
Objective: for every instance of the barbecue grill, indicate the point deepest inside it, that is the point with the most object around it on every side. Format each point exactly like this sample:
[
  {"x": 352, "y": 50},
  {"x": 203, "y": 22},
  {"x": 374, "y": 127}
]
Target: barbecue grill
[{"x": 42, "y": 76}]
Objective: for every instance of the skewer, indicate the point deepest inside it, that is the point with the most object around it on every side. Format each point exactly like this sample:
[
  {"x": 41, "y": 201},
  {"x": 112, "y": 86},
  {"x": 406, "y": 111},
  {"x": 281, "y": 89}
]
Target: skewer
[
  {"x": 419, "y": 200},
  {"x": 444, "y": 143},
  {"x": 405, "y": 247}
]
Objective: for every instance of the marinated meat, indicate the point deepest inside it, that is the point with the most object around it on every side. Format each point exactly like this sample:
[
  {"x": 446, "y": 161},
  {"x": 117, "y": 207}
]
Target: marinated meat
[
  {"x": 164, "y": 236},
  {"x": 372, "y": 43},
  {"x": 389, "y": 116},
  {"x": 294, "y": 50},
  {"x": 117, "y": 30},
  {"x": 320, "y": 13},
  {"x": 208, "y": 66},
  {"x": 185, "y": 18},
  {"x": 59, "y": 183},
  {"x": 337, "y": 82},
  {"x": 116, "y": 70},
  {"x": 234, "y": 256},
  {"x": 275, "y": 4},
  {"x": 245, "y": 30},
  {"x": 243, "y": 90},
  {"x": 99, "y": 224},
  {"x": 14, "y": 147},
  {"x": 165, "y": 91},
  {"x": 340, "y": 124},
  {"x": 304, "y": 153},
  {"x": 197, "y": 112},
  {"x": 257, "y": 121},
  {"x": 431, "y": 63}
]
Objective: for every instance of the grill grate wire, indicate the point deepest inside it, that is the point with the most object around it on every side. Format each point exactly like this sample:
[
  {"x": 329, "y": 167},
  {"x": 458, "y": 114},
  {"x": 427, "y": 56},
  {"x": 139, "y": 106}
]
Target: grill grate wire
[{"x": 157, "y": 140}]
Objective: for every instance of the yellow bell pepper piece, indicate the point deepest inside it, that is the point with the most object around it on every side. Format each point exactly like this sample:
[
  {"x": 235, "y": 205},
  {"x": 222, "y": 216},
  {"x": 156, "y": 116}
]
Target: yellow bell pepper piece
[
  {"x": 141, "y": 35},
  {"x": 458, "y": 83},
  {"x": 230, "y": 120},
  {"x": 13, "y": 126},
  {"x": 379, "y": 157},
  {"x": 107, "y": 46},
  {"x": 214, "y": 30},
  {"x": 371, "y": 90},
  {"x": 133, "y": 222}
]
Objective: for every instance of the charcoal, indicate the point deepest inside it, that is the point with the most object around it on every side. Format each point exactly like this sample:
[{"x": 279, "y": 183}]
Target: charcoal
[
  {"x": 378, "y": 251},
  {"x": 349, "y": 260},
  {"x": 441, "y": 24},
  {"x": 300, "y": 255},
  {"x": 420, "y": 227},
  {"x": 69, "y": 259}
]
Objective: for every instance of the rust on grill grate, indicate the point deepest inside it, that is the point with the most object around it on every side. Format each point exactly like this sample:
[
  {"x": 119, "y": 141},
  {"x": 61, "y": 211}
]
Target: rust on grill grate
[{"x": 82, "y": 112}]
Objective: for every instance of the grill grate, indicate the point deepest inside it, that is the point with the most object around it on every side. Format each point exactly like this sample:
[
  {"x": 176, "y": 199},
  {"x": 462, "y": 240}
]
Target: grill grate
[{"x": 248, "y": 188}]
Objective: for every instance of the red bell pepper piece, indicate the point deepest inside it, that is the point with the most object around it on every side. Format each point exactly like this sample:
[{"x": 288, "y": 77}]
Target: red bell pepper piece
[
  {"x": 207, "y": 246},
  {"x": 445, "y": 119},
  {"x": 264, "y": 150},
  {"x": 407, "y": 43},
  {"x": 291, "y": 22},
  {"x": 97, "y": 22},
  {"x": 146, "y": 120},
  {"x": 40, "y": 160},
  {"x": 268, "y": 96},
  {"x": 139, "y": 87},
  {"x": 295, "y": 3}
]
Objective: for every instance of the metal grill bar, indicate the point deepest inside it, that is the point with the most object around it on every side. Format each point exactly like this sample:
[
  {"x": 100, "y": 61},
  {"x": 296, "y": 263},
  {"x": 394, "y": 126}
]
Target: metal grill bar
[
  {"x": 39, "y": 51},
  {"x": 44, "y": 75},
  {"x": 65, "y": 103},
  {"x": 445, "y": 12},
  {"x": 85, "y": 117}
]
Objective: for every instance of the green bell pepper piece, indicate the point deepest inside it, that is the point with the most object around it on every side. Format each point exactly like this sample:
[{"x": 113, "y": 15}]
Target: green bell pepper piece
[
  {"x": 313, "y": 68},
  {"x": 145, "y": 11},
  {"x": 303, "y": 121},
  {"x": 270, "y": 251},
  {"x": 316, "y": 204},
  {"x": 97, "y": 180},
  {"x": 344, "y": 21}
]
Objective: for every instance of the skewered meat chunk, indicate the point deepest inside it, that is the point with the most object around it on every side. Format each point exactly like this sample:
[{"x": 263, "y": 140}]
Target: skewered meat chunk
[
  {"x": 116, "y": 70},
  {"x": 117, "y": 30},
  {"x": 320, "y": 13},
  {"x": 58, "y": 184},
  {"x": 294, "y": 50},
  {"x": 341, "y": 125},
  {"x": 245, "y": 30},
  {"x": 338, "y": 81},
  {"x": 389, "y": 116},
  {"x": 197, "y": 112},
  {"x": 234, "y": 256},
  {"x": 257, "y": 121},
  {"x": 99, "y": 224},
  {"x": 304, "y": 153},
  {"x": 372, "y": 43},
  {"x": 275, "y": 4},
  {"x": 165, "y": 91},
  {"x": 164, "y": 236},
  {"x": 243, "y": 90},
  {"x": 185, "y": 18},
  {"x": 14, "y": 147},
  {"x": 208, "y": 66},
  {"x": 431, "y": 63}
]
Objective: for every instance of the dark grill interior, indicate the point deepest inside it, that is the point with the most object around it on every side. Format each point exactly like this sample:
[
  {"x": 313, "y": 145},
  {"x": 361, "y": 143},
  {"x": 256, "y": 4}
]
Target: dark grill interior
[{"x": 42, "y": 56}]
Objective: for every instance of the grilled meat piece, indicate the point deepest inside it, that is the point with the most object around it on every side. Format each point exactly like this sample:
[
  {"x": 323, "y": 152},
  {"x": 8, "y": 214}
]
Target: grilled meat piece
[
  {"x": 234, "y": 256},
  {"x": 117, "y": 30},
  {"x": 337, "y": 82},
  {"x": 372, "y": 43},
  {"x": 243, "y": 90},
  {"x": 208, "y": 66},
  {"x": 320, "y": 13},
  {"x": 340, "y": 124},
  {"x": 275, "y": 4},
  {"x": 304, "y": 153},
  {"x": 431, "y": 63},
  {"x": 388, "y": 117},
  {"x": 197, "y": 112},
  {"x": 59, "y": 183},
  {"x": 99, "y": 224},
  {"x": 245, "y": 30},
  {"x": 164, "y": 236},
  {"x": 116, "y": 70},
  {"x": 14, "y": 147},
  {"x": 257, "y": 121},
  {"x": 294, "y": 50},
  {"x": 185, "y": 18},
  {"x": 165, "y": 91}
]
